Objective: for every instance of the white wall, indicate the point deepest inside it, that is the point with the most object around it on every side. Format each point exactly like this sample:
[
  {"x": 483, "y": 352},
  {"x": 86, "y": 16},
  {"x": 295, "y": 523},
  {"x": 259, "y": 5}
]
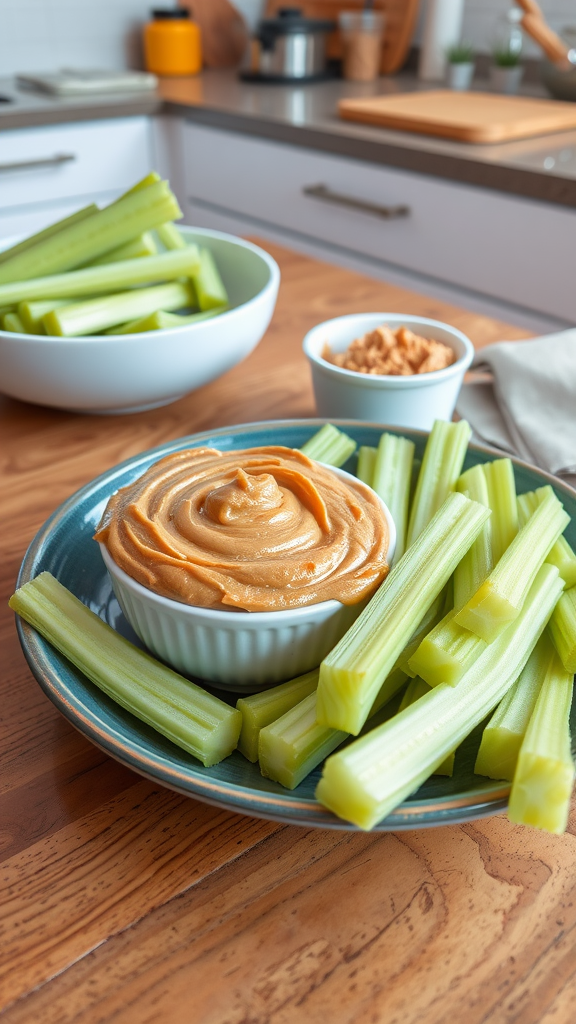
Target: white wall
[{"x": 40, "y": 35}]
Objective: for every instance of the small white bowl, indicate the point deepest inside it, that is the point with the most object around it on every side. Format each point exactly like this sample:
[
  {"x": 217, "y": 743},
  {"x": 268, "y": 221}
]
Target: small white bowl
[
  {"x": 240, "y": 651},
  {"x": 414, "y": 401}
]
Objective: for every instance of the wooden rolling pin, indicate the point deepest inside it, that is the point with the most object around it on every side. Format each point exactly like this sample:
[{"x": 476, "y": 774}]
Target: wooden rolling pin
[{"x": 535, "y": 26}]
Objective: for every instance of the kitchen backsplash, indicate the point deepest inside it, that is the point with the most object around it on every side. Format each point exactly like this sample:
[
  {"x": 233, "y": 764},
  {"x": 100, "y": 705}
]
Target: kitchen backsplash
[{"x": 38, "y": 35}]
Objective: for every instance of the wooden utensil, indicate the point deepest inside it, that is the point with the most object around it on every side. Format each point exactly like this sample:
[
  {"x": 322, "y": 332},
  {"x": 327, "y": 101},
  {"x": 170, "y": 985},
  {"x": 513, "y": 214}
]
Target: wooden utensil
[{"x": 223, "y": 30}]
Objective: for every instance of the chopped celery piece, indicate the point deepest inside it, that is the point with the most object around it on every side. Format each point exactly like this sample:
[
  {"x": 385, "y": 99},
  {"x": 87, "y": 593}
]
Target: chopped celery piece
[
  {"x": 391, "y": 481},
  {"x": 353, "y": 672},
  {"x": 149, "y": 179},
  {"x": 81, "y": 242},
  {"x": 330, "y": 446},
  {"x": 369, "y": 778},
  {"x": 441, "y": 467},
  {"x": 94, "y": 315},
  {"x": 32, "y": 313},
  {"x": 48, "y": 232},
  {"x": 209, "y": 286},
  {"x": 170, "y": 236},
  {"x": 12, "y": 322},
  {"x": 144, "y": 245},
  {"x": 161, "y": 321},
  {"x": 446, "y": 653},
  {"x": 563, "y": 629},
  {"x": 543, "y": 779},
  {"x": 560, "y": 554},
  {"x": 502, "y": 500},
  {"x": 366, "y": 463},
  {"x": 477, "y": 563},
  {"x": 193, "y": 719},
  {"x": 502, "y": 737},
  {"x": 114, "y": 277},
  {"x": 499, "y": 600},
  {"x": 428, "y": 622},
  {"x": 417, "y": 688},
  {"x": 261, "y": 709}
]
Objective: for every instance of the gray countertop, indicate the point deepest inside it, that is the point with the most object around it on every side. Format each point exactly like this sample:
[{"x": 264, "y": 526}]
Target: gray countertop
[{"x": 542, "y": 168}]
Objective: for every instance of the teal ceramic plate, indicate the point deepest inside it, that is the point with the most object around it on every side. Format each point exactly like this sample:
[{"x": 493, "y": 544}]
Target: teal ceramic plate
[{"x": 64, "y": 546}]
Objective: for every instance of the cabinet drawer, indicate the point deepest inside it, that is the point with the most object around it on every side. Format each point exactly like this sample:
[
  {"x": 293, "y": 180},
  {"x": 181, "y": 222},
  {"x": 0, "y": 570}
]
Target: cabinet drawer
[
  {"x": 514, "y": 249},
  {"x": 39, "y": 165}
]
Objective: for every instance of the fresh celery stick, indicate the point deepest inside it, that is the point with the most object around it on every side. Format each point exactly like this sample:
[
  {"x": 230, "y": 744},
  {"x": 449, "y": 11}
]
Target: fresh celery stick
[
  {"x": 502, "y": 737},
  {"x": 429, "y": 621},
  {"x": 150, "y": 179},
  {"x": 502, "y": 500},
  {"x": 391, "y": 481},
  {"x": 161, "y": 321},
  {"x": 209, "y": 286},
  {"x": 563, "y": 629},
  {"x": 561, "y": 554},
  {"x": 114, "y": 277},
  {"x": 543, "y": 779},
  {"x": 477, "y": 563},
  {"x": 261, "y": 709},
  {"x": 144, "y": 245},
  {"x": 499, "y": 600},
  {"x": 417, "y": 688},
  {"x": 353, "y": 672},
  {"x": 82, "y": 242},
  {"x": 446, "y": 653},
  {"x": 94, "y": 315},
  {"x": 329, "y": 445},
  {"x": 12, "y": 322},
  {"x": 366, "y": 463},
  {"x": 31, "y": 313},
  {"x": 179, "y": 709},
  {"x": 48, "y": 232},
  {"x": 10, "y": 308},
  {"x": 441, "y": 467},
  {"x": 369, "y": 778},
  {"x": 170, "y": 236}
]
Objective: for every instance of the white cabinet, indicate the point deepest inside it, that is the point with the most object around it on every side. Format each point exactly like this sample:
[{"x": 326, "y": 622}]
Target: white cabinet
[
  {"x": 514, "y": 253},
  {"x": 46, "y": 173}
]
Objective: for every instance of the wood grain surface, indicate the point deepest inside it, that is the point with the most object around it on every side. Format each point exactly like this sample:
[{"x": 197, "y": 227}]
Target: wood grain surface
[{"x": 124, "y": 902}]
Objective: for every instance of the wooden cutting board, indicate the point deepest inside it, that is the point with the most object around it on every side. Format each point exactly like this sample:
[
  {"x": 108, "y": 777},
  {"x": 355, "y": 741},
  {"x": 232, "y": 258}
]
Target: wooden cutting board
[{"x": 468, "y": 117}]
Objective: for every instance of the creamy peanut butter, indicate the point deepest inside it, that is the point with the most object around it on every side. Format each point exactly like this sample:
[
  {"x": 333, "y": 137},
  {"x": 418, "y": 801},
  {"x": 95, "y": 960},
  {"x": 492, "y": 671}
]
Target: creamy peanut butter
[{"x": 261, "y": 529}]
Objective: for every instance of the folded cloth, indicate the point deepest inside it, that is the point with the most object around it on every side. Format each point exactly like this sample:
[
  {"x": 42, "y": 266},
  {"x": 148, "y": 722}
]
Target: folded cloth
[{"x": 529, "y": 407}]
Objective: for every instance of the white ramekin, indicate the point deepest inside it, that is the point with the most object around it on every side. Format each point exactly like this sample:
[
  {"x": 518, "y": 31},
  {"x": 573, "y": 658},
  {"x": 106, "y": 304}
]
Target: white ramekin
[
  {"x": 414, "y": 401},
  {"x": 240, "y": 651}
]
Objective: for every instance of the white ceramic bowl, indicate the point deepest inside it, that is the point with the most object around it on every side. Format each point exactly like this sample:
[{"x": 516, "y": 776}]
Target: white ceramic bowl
[
  {"x": 414, "y": 401},
  {"x": 240, "y": 651},
  {"x": 133, "y": 372}
]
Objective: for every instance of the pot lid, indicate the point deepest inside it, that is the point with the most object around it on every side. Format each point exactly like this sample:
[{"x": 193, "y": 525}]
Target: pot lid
[{"x": 290, "y": 20}]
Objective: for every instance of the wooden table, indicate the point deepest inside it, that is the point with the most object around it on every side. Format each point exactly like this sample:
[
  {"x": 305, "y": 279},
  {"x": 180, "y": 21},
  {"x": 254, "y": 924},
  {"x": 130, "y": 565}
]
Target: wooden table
[{"x": 125, "y": 902}]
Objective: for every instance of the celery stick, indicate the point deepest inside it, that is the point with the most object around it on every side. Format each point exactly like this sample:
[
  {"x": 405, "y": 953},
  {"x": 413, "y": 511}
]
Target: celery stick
[
  {"x": 369, "y": 778},
  {"x": 429, "y": 621},
  {"x": 441, "y": 467},
  {"x": 94, "y": 315},
  {"x": 563, "y": 629},
  {"x": 12, "y": 322},
  {"x": 543, "y": 779},
  {"x": 477, "y": 563},
  {"x": 209, "y": 286},
  {"x": 150, "y": 179},
  {"x": 48, "y": 232},
  {"x": 170, "y": 236},
  {"x": 502, "y": 500},
  {"x": 392, "y": 479},
  {"x": 161, "y": 321},
  {"x": 561, "y": 554},
  {"x": 329, "y": 445},
  {"x": 499, "y": 600},
  {"x": 84, "y": 241},
  {"x": 193, "y": 719},
  {"x": 261, "y": 709},
  {"x": 446, "y": 653},
  {"x": 417, "y": 688},
  {"x": 502, "y": 737},
  {"x": 353, "y": 672},
  {"x": 31, "y": 313},
  {"x": 143, "y": 245},
  {"x": 114, "y": 277},
  {"x": 366, "y": 463}
]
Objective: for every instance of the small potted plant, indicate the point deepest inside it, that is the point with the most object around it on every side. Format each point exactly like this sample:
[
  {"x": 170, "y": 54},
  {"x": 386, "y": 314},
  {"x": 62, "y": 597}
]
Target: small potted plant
[{"x": 460, "y": 68}]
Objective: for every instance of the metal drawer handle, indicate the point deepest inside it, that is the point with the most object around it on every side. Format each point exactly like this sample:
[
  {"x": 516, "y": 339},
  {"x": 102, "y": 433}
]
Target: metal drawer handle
[
  {"x": 386, "y": 212},
  {"x": 42, "y": 161}
]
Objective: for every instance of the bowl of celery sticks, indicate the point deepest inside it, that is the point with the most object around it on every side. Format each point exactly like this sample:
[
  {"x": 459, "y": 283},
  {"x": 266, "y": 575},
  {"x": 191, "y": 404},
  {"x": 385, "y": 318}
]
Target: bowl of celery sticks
[{"x": 119, "y": 310}]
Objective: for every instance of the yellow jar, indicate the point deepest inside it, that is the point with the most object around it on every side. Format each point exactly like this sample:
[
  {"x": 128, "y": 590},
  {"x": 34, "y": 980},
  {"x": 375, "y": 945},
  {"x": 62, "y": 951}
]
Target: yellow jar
[{"x": 172, "y": 43}]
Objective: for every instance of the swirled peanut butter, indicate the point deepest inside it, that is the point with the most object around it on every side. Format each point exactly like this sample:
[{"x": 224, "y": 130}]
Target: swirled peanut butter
[{"x": 261, "y": 529}]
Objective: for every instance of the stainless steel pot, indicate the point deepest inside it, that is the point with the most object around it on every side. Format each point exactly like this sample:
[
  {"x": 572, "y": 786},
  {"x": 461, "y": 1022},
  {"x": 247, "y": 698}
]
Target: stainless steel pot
[{"x": 289, "y": 48}]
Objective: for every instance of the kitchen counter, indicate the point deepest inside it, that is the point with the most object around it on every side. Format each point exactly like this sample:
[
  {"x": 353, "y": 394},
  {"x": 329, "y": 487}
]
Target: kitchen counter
[
  {"x": 124, "y": 901},
  {"x": 23, "y": 108}
]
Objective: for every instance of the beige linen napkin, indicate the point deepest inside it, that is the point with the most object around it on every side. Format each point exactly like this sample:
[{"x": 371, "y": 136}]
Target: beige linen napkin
[{"x": 529, "y": 407}]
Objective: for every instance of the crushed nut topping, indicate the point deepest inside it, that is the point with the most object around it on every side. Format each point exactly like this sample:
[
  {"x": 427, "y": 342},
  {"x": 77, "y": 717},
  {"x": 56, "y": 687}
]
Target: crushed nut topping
[{"x": 397, "y": 353}]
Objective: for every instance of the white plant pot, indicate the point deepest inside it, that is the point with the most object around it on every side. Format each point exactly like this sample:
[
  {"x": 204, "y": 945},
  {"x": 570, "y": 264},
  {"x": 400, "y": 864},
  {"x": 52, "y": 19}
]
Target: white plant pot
[
  {"x": 506, "y": 80},
  {"x": 459, "y": 76}
]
